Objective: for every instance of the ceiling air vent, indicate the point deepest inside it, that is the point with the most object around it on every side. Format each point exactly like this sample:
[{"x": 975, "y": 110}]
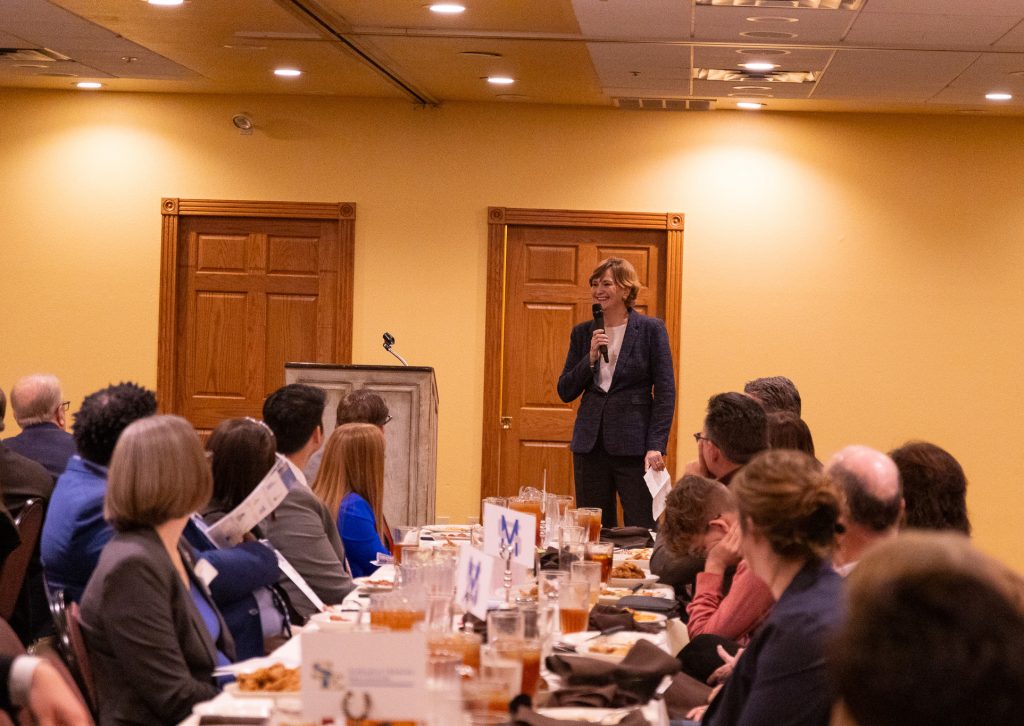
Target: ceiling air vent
[
  {"x": 717, "y": 74},
  {"x": 31, "y": 55},
  {"x": 663, "y": 104}
]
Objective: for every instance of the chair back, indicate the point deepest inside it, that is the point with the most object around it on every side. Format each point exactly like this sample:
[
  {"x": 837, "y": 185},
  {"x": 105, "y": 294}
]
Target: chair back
[
  {"x": 71, "y": 645},
  {"x": 12, "y": 576},
  {"x": 10, "y": 644}
]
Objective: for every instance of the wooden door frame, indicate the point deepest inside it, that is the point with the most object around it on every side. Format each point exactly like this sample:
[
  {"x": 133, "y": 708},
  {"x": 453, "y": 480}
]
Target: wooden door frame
[
  {"x": 498, "y": 221},
  {"x": 343, "y": 214}
]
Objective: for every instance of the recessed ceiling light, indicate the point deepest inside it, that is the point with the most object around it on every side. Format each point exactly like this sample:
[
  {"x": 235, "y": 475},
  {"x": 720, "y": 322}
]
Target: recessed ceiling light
[
  {"x": 772, "y": 19},
  {"x": 998, "y": 96},
  {"x": 166, "y": 2},
  {"x": 751, "y": 88},
  {"x": 287, "y": 72},
  {"x": 759, "y": 66},
  {"x": 89, "y": 85},
  {"x": 447, "y": 8},
  {"x": 501, "y": 80},
  {"x": 750, "y": 106},
  {"x": 762, "y": 51}
]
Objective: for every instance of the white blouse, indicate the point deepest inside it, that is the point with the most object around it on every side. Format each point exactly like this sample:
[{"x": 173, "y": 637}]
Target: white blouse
[{"x": 605, "y": 371}]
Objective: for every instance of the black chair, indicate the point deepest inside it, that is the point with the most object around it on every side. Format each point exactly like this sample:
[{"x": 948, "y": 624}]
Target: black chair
[
  {"x": 71, "y": 645},
  {"x": 12, "y": 575}
]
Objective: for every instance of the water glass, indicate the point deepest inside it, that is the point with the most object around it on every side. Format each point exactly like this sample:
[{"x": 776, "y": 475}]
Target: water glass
[
  {"x": 504, "y": 625},
  {"x": 574, "y": 606},
  {"x": 589, "y": 572}
]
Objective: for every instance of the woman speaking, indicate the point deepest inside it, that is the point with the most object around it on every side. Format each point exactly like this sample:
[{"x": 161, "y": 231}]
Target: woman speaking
[{"x": 623, "y": 369}]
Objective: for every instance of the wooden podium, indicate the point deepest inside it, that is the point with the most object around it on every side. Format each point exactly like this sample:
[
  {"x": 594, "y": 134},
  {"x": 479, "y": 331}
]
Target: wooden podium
[{"x": 410, "y": 459}]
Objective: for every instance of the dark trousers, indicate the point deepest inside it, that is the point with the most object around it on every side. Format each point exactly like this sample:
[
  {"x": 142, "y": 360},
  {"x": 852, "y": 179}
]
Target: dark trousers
[{"x": 599, "y": 475}]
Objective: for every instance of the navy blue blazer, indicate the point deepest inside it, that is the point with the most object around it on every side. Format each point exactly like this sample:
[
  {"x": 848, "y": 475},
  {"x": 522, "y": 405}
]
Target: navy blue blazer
[
  {"x": 635, "y": 414},
  {"x": 46, "y": 443}
]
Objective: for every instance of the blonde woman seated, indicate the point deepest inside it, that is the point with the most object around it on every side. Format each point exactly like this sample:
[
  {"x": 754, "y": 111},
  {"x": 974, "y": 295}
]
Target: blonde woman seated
[
  {"x": 351, "y": 483},
  {"x": 150, "y": 626}
]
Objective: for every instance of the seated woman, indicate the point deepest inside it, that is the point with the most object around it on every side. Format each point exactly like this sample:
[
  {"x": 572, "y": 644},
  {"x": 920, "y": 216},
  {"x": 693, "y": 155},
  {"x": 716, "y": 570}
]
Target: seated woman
[
  {"x": 351, "y": 483},
  {"x": 242, "y": 452},
  {"x": 788, "y": 516},
  {"x": 146, "y": 617}
]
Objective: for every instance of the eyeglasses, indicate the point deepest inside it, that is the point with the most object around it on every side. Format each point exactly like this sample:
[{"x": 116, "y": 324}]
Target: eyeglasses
[
  {"x": 699, "y": 436},
  {"x": 64, "y": 406},
  {"x": 387, "y": 420}
]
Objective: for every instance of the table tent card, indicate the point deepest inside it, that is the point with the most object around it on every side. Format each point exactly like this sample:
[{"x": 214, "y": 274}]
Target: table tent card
[
  {"x": 506, "y": 530},
  {"x": 474, "y": 584},
  {"x": 356, "y": 675}
]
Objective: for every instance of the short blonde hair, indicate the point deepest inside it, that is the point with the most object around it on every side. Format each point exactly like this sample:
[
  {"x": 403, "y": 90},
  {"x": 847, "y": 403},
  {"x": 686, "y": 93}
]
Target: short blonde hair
[
  {"x": 623, "y": 273},
  {"x": 353, "y": 462},
  {"x": 158, "y": 472}
]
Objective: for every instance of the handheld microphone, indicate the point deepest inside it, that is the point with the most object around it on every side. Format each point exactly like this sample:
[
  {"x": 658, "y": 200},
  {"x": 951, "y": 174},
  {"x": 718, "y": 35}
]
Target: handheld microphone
[{"x": 599, "y": 323}]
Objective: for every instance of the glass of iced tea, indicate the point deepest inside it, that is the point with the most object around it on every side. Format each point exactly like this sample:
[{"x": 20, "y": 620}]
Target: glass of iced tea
[
  {"x": 573, "y": 606},
  {"x": 465, "y": 644},
  {"x": 397, "y": 610},
  {"x": 602, "y": 553},
  {"x": 590, "y": 519},
  {"x": 527, "y": 652},
  {"x": 530, "y": 506},
  {"x": 496, "y": 501},
  {"x": 404, "y": 535}
]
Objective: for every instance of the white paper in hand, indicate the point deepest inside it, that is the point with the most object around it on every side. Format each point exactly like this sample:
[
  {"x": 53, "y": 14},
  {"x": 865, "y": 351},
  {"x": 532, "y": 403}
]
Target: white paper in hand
[
  {"x": 254, "y": 508},
  {"x": 660, "y": 484}
]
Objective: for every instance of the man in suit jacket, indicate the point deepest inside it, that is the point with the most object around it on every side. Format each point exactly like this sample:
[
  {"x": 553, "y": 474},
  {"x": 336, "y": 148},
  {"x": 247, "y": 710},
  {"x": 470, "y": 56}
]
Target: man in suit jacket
[
  {"x": 41, "y": 412},
  {"x": 301, "y": 527},
  {"x": 22, "y": 479},
  {"x": 623, "y": 422}
]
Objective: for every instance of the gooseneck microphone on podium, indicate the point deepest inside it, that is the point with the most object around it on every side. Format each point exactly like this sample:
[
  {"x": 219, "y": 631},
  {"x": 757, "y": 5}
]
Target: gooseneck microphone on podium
[
  {"x": 599, "y": 324},
  {"x": 389, "y": 340}
]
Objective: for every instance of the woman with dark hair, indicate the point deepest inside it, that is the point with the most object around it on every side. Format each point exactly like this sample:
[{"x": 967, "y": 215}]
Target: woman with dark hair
[
  {"x": 624, "y": 373},
  {"x": 153, "y": 633},
  {"x": 934, "y": 487},
  {"x": 786, "y": 430},
  {"x": 788, "y": 518},
  {"x": 351, "y": 483},
  {"x": 241, "y": 452}
]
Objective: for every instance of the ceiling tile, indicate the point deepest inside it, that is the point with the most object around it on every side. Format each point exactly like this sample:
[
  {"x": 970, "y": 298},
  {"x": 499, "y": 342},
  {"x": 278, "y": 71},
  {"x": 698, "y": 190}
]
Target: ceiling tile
[
  {"x": 903, "y": 75},
  {"x": 632, "y": 20},
  {"x": 718, "y": 23},
  {"x": 932, "y": 30}
]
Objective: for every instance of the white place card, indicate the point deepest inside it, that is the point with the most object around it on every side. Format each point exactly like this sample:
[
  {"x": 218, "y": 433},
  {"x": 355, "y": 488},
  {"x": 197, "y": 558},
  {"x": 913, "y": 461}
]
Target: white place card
[
  {"x": 370, "y": 675},
  {"x": 474, "y": 583},
  {"x": 517, "y": 531}
]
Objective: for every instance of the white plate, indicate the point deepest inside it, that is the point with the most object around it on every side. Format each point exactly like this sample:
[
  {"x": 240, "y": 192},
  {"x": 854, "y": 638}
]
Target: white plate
[
  {"x": 632, "y": 581},
  {"x": 591, "y": 644},
  {"x": 374, "y": 584},
  {"x": 588, "y": 715},
  {"x": 336, "y": 620},
  {"x": 234, "y": 691},
  {"x": 250, "y": 707}
]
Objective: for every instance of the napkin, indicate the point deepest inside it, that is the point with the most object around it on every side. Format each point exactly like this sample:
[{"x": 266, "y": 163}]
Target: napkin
[
  {"x": 602, "y": 684},
  {"x": 659, "y": 483},
  {"x": 606, "y": 617},
  {"x": 627, "y": 537}
]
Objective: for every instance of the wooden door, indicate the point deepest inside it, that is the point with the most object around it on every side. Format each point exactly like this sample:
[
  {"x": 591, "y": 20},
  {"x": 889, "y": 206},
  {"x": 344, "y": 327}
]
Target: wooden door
[
  {"x": 251, "y": 293},
  {"x": 544, "y": 261}
]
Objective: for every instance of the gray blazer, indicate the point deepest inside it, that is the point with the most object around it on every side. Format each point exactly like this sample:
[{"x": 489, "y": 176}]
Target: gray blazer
[
  {"x": 632, "y": 418},
  {"x": 152, "y": 656},
  {"x": 306, "y": 534}
]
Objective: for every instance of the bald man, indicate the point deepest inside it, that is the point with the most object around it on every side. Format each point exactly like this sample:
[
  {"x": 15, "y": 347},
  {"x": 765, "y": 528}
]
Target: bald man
[{"x": 870, "y": 483}]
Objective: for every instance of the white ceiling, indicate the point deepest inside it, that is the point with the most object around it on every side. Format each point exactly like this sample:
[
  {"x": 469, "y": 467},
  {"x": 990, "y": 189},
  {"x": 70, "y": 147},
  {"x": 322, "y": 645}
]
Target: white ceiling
[{"x": 937, "y": 56}]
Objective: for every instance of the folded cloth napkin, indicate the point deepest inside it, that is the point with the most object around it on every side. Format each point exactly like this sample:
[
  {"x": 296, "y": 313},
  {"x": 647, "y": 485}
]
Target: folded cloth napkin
[
  {"x": 598, "y": 683},
  {"x": 549, "y": 560},
  {"x": 528, "y": 717},
  {"x": 669, "y": 608},
  {"x": 684, "y": 694},
  {"x": 606, "y": 617},
  {"x": 627, "y": 537}
]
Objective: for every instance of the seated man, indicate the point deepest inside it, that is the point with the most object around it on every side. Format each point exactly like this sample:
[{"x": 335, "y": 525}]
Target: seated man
[
  {"x": 21, "y": 478},
  {"x": 75, "y": 530},
  {"x": 702, "y": 519},
  {"x": 735, "y": 429},
  {"x": 301, "y": 527},
  {"x": 41, "y": 412}
]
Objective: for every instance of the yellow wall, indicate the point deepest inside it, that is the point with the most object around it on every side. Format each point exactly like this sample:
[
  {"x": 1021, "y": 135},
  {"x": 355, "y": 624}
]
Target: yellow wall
[{"x": 874, "y": 259}]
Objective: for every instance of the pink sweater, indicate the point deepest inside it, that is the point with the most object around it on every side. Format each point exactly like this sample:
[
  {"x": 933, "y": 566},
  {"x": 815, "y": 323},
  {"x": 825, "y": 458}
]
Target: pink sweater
[{"x": 734, "y": 616}]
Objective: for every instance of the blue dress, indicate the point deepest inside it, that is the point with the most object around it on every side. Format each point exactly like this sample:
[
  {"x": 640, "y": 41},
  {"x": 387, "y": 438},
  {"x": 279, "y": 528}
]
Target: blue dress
[{"x": 358, "y": 529}]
